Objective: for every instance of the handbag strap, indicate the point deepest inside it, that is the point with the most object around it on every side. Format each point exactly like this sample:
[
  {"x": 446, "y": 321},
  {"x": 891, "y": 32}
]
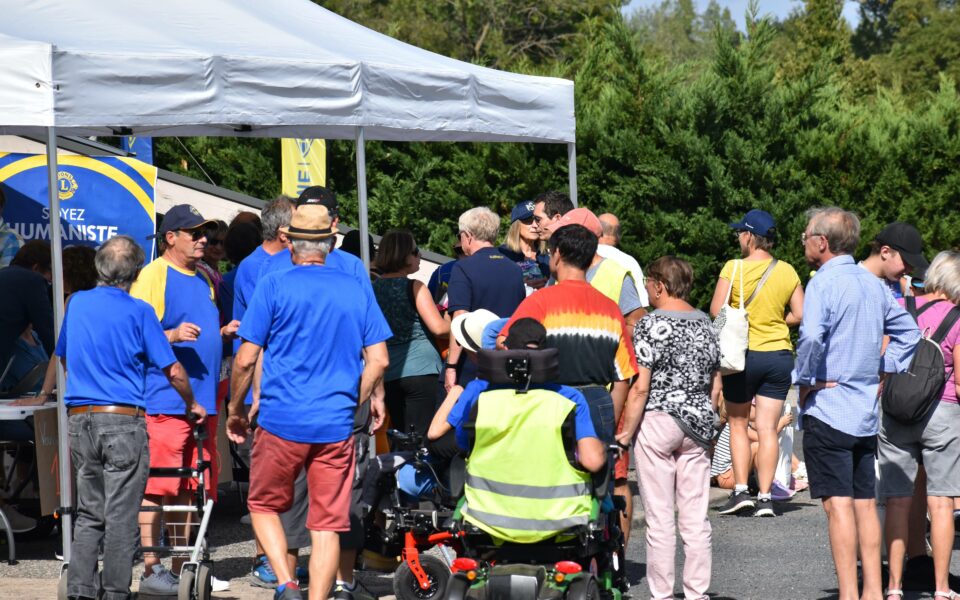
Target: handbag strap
[
  {"x": 763, "y": 280},
  {"x": 736, "y": 266}
]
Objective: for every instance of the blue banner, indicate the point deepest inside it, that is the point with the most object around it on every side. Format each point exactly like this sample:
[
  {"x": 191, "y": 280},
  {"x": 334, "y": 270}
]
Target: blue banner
[
  {"x": 141, "y": 147},
  {"x": 99, "y": 198}
]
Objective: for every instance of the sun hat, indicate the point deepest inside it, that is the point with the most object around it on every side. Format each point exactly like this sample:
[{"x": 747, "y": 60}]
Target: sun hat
[
  {"x": 310, "y": 222},
  {"x": 468, "y": 328}
]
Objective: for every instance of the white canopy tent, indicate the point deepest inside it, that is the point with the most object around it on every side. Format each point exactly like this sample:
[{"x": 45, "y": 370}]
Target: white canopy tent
[{"x": 247, "y": 68}]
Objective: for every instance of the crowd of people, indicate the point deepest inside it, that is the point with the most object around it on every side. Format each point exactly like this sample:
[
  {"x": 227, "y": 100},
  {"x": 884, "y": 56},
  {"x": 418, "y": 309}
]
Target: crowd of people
[{"x": 307, "y": 354}]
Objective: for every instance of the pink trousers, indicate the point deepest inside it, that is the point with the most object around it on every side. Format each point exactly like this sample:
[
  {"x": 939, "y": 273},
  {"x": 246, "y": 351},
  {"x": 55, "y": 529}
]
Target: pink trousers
[{"x": 673, "y": 473}]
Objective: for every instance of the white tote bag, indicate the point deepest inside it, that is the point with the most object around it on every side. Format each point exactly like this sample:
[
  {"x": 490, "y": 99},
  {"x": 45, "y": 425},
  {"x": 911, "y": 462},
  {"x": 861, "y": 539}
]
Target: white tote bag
[{"x": 732, "y": 329}]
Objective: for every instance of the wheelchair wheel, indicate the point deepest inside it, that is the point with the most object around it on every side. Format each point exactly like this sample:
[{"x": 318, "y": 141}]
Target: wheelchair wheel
[
  {"x": 457, "y": 588},
  {"x": 406, "y": 586},
  {"x": 584, "y": 588},
  {"x": 187, "y": 578}
]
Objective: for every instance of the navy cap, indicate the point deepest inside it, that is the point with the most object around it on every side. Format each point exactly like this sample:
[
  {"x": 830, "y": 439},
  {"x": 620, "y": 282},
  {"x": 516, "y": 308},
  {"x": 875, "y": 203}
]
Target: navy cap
[
  {"x": 317, "y": 194},
  {"x": 758, "y": 222},
  {"x": 181, "y": 216},
  {"x": 522, "y": 211}
]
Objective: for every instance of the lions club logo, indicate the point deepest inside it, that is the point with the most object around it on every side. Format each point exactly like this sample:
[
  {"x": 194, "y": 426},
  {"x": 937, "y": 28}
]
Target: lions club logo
[
  {"x": 304, "y": 145},
  {"x": 66, "y": 184}
]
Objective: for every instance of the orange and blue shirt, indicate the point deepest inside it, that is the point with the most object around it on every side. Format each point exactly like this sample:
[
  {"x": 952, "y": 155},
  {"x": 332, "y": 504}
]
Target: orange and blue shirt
[
  {"x": 182, "y": 296},
  {"x": 588, "y": 330}
]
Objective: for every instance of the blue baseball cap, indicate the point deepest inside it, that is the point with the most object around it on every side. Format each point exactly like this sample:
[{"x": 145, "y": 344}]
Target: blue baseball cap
[
  {"x": 522, "y": 211},
  {"x": 181, "y": 216},
  {"x": 757, "y": 222}
]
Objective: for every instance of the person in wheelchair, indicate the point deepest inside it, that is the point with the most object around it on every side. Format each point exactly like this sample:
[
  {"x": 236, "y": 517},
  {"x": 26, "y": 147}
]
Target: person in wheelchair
[{"x": 531, "y": 444}]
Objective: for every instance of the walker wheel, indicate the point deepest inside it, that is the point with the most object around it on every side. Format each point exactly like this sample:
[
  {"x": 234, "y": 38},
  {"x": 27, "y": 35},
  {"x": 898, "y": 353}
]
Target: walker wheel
[
  {"x": 204, "y": 581},
  {"x": 187, "y": 578}
]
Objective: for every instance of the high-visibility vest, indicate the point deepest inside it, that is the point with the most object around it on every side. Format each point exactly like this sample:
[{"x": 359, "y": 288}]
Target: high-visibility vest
[
  {"x": 520, "y": 486},
  {"x": 608, "y": 280}
]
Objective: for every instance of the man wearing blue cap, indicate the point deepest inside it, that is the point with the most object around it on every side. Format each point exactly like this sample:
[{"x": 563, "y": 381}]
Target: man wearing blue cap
[
  {"x": 183, "y": 300},
  {"x": 770, "y": 291}
]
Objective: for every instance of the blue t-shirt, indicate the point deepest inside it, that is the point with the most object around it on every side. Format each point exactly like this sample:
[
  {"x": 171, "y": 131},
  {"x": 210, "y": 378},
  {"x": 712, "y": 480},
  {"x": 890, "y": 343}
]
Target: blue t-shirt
[
  {"x": 313, "y": 323},
  {"x": 439, "y": 280},
  {"x": 226, "y": 295},
  {"x": 487, "y": 279},
  {"x": 108, "y": 358},
  {"x": 180, "y": 296},
  {"x": 337, "y": 259},
  {"x": 461, "y": 411}
]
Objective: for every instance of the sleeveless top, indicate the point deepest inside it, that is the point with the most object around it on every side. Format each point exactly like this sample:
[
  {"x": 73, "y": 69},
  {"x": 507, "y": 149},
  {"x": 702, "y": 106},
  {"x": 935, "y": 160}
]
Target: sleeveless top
[{"x": 410, "y": 349}]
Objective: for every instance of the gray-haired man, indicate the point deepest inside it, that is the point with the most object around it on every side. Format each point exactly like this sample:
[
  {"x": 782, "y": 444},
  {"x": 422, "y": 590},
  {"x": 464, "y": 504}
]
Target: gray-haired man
[{"x": 106, "y": 361}]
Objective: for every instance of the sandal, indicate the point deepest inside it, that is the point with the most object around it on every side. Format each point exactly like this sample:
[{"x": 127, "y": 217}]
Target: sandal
[
  {"x": 893, "y": 592},
  {"x": 949, "y": 594}
]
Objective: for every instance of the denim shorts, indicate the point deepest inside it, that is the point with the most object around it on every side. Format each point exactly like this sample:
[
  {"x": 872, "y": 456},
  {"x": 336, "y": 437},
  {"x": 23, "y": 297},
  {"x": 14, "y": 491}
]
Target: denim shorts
[
  {"x": 767, "y": 374},
  {"x": 601, "y": 411}
]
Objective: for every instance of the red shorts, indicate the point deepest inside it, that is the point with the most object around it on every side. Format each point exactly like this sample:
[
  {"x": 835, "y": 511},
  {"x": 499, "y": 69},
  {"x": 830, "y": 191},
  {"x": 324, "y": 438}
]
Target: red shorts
[
  {"x": 275, "y": 464},
  {"x": 622, "y": 465},
  {"x": 172, "y": 445}
]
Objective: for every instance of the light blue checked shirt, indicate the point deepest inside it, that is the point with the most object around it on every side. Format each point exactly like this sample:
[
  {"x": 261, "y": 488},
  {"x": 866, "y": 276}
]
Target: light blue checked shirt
[
  {"x": 846, "y": 312},
  {"x": 10, "y": 243}
]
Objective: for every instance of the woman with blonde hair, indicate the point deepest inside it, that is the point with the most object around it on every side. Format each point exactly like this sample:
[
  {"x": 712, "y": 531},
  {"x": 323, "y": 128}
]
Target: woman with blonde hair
[{"x": 524, "y": 247}]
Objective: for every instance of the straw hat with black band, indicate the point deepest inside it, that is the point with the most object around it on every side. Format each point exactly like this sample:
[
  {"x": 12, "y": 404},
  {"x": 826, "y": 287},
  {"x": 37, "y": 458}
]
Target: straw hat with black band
[{"x": 310, "y": 222}]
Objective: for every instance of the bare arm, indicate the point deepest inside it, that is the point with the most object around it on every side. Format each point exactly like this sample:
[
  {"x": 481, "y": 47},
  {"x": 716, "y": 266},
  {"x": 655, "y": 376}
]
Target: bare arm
[
  {"x": 631, "y": 318},
  {"x": 453, "y": 357},
  {"x": 244, "y": 364},
  {"x": 591, "y": 454},
  {"x": 720, "y": 296},
  {"x": 619, "y": 396},
  {"x": 434, "y": 321},
  {"x": 636, "y": 404},
  {"x": 795, "y": 313},
  {"x": 439, "y": 426},
  {"x": 177, "y": 376},
  {"x": 375, "y": 362},
  {"x": 716, "y": 388}
]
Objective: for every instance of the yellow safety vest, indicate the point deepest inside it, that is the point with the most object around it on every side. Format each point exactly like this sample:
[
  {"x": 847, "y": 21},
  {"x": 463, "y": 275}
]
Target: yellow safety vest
[
  {"x": 520, "y": 487},
  {"x": 608, "y": 280}
]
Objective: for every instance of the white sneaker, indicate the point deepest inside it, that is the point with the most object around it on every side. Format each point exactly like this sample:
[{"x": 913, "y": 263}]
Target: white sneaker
[
  {"x": 162, "y": 582},
  {"x": 19, "y": 523},
  {"x": 219, "y": 585}
]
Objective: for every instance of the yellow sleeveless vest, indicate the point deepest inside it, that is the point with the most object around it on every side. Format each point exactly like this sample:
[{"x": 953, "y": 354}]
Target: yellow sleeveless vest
[
  {"x": 608, "y": 280},
  {"x": 520, "y": 487}
]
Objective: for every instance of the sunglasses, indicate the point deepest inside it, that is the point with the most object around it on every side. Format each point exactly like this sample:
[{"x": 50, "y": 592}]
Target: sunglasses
[
  {"x": 415, "y": 252},
  {"x": 528, "y": 221},
  {"x": 215, "y": 242},
  {"x": 195, "y": 234}
]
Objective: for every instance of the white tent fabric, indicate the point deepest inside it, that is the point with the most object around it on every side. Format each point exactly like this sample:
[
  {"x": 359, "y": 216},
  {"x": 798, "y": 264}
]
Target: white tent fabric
[{"x": 284, "y": 68}]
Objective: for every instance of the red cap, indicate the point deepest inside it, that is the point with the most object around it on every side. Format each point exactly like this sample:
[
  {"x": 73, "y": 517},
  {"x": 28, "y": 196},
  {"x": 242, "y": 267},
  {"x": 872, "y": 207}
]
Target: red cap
[{"x": 579, "y": 216}]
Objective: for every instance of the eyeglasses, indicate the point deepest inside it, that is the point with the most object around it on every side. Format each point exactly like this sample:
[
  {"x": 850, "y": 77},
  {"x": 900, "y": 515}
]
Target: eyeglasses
[
  {"x": 804, "y": 237},
  {"x": 195, "y": 234}
]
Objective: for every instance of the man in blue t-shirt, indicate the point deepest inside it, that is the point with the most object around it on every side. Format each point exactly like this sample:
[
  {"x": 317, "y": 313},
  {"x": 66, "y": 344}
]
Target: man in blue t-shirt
[
  {"x": 106, "y": 360},
  {"x": 321, "y": 331},
  {"x": 484, "y": 279}
]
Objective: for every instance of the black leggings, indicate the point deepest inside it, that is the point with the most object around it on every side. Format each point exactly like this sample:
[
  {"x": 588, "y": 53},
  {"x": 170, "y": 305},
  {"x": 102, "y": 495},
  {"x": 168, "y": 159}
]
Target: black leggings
[{"x": 412, "y": 402}]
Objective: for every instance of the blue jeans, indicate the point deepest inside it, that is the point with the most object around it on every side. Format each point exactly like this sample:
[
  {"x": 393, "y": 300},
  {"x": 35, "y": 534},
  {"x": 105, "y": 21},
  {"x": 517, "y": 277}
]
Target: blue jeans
[
  {"x": 111, "y": 459},
  {"x": 601, "y": 411}
]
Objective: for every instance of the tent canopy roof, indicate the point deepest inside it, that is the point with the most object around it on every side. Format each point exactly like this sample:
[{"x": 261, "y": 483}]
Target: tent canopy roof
[{"x": 284, "y": 68}]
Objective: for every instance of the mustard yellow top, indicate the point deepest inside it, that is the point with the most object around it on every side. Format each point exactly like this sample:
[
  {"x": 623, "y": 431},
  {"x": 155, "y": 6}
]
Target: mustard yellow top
[{"x": 768, "y": 329}]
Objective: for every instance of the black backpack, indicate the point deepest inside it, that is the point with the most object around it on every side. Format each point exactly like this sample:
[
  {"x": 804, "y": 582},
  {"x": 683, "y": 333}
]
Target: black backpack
[{"x": 908, "y": 397}]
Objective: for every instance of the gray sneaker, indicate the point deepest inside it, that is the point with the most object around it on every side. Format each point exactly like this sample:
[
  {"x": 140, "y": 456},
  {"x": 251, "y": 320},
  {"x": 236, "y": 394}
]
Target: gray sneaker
[
  {"x": 162, "y": 582},
  {"x": 738, "y": 501}
]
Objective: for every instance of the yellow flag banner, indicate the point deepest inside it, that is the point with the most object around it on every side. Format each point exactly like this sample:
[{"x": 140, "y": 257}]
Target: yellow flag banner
[{"x": 304, "y": 164}]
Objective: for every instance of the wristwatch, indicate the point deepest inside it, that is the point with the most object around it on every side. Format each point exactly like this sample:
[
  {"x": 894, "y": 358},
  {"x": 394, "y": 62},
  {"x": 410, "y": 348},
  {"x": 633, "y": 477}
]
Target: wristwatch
[{"x": 449, "y": 366}]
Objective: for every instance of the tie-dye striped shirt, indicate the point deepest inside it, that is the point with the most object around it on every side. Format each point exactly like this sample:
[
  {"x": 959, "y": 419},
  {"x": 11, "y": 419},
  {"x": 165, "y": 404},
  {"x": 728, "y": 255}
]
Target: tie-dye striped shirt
[{"x": 586, "y": 327}]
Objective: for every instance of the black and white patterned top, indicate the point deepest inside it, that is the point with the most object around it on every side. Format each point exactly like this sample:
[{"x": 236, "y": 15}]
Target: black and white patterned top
[{"x": 682, "y": 352}]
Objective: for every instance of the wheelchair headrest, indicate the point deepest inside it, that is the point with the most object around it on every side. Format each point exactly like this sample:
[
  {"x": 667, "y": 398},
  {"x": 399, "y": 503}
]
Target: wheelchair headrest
[{"x": 519, "y": 368}]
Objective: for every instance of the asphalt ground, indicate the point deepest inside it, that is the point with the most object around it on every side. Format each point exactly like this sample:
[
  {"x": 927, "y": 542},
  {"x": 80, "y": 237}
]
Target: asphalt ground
[{"x": 787, "y": 557}]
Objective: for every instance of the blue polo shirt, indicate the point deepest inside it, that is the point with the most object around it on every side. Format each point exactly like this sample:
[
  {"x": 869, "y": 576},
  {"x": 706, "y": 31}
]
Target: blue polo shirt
[
  {"x": 181, "y": 296},
  {"x": 313, "y": 322},
  {"x": 461, "y": 411},
  {"x": 108, "y": 358},
  {"x": 487, "y": 279}
]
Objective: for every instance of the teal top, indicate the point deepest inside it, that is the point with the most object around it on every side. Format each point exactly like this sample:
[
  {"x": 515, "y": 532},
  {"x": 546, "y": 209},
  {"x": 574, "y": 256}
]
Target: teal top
[{"x": 411, "y": 351}]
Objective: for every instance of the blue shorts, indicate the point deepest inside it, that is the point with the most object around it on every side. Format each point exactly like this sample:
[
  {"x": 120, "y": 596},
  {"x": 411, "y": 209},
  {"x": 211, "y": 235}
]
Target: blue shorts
[
  {"x": 838, "y": 464},
  {"x": 767, "y": 374}
]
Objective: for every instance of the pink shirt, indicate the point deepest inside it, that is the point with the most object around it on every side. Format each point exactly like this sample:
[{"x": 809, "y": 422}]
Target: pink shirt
[{"x": 929, "y": 321}]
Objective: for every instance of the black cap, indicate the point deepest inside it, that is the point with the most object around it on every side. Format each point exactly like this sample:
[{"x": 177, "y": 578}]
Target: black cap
[
  {"x": 526, "y": 333},
  {"x": 905, "y": 239},
  {"x": 317, "y": 194},
  {"x": 181, "y": 216}
]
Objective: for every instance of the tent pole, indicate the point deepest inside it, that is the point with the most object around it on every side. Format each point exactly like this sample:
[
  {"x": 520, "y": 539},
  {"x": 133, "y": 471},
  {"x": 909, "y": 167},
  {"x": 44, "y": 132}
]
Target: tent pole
[
  {"x": 63, "y": 446},
  {"x": 572, "y": 171},
  {"x": 362, "y": 198}
]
